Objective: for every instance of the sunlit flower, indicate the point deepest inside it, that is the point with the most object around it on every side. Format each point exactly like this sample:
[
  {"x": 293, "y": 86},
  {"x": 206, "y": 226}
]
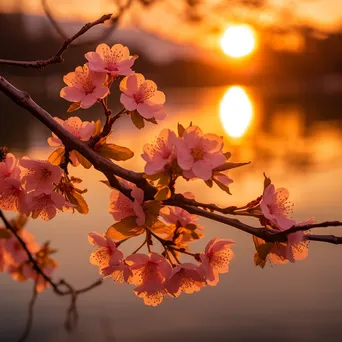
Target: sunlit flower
[
  {"x": 160, "y": 153},
  {"x": 223, "y": 178},
  {"x": 40, "y": 175},
  {"x": 9, "y": 167},
  {"x": 121, "y": 206},
  {"x": 215, "y": 259},
  {"x": 120, "y": 273},
  {"x": 13, "y": 196},
  {"x": 178, "y": 216},
  {"x": 199, "y": 154},
  {"x": 115, "y": 60},
  {"x": 142, "y": 95},
  {"x": 82, "y": 130},
  {"x": 276, "y": 207},
  {"x": 44, "y": 205},
  {"x": 107, "y": 254},
  {"x": 149, "y": 274},
  {"x": 84, "y": 86},
  {"x": 184, "y": 277}
]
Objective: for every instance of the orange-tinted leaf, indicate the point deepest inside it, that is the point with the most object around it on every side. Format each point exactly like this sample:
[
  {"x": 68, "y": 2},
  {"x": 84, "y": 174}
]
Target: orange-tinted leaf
[
  {"x": 152, "y": 209},
  {"x": 115, "y": 152},
  {"x": 222, "y": 186},
  {"x": 267, "y": 181},
  {"x": 163, "y": 194},
  {"x": 164, "y": 179},
  {"x": 262, "y": 250},
  {"x": 98, "y": 128},
  {"x": 57, "y": 156},
  {"x": 137, "y": 120},
  {"x": 73, "y": 107},
  {"x": 229, "y": 166},
  {"x": 227, "y": 155},
  {"x": 125, "y": 228},
  {"x": 181, "y": 130},
  {"x": 80, "y": 203},
  {"x": 83, "y": 161},
  {"x": 160, "y": 227},
  {"x": 209, "y": 183},
  {"x": 191, "y": 226}
]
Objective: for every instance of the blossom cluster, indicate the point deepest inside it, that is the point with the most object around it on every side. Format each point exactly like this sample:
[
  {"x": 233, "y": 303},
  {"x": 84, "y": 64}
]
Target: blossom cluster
[
  {"x": 14, "y": 259},
  {"x": 154, "y": 275},
  {"x": 28, "y": 186}
]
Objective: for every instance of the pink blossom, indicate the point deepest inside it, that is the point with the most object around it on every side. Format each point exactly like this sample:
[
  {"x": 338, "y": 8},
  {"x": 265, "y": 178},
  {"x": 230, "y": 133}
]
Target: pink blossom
[
  {"x": 115, "y": 60},
  {"x": 142, "y": 95},
  {"x": 276, "y": 207},
  {"x": 149, "y": 274},
  {"x": 44, "y": 205},
  {"x": 222, "y": 178},
  {"x": 179, "y": 217},
  {"x": 184, "y": 277},
  {"x": 82, "y": 130},
  {"x": 40, "y": 175},
  {"x": 120, "y": 273},
  {"x": 199, "y": 154},
  {"x": 9, "y": 167},
  {"x": 13, "y": 196},
  {"x": 14, "y": 250},
  {"x": 121, "y": 206},
  {"x": 215, "y": 259},
  {"x": 107, "y": 254},
  {"x": 84, "y": 86},
  {"x": 160, "y": 153}
]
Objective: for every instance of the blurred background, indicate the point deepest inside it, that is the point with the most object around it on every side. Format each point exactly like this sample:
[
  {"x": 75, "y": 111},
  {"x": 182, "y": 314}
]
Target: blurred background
[{"x": 266, "y": 75}]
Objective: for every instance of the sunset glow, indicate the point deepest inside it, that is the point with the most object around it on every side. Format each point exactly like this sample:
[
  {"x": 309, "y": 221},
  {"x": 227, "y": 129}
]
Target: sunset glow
[
  {"x": 238, "y": 41},
  {"x": 236, "y": 111}
]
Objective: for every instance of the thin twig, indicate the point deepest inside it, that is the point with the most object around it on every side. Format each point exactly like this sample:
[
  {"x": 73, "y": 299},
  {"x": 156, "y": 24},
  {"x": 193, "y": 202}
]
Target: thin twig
[{"x": 58, "y": 56}]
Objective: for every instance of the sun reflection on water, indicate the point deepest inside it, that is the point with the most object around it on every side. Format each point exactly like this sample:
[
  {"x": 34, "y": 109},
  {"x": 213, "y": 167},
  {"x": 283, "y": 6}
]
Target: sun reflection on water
[{"x": 236, "y": 111}]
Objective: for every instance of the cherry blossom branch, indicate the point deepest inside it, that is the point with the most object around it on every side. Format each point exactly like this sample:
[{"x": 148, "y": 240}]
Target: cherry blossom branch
[
  {"x": 58, "y": 56},
  {"x": 336, "y": 240},
  {"x": 110, "y": 170}
]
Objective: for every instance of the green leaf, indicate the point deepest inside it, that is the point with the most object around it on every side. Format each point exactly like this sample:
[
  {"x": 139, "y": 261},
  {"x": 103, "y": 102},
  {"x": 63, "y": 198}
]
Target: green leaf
[
  {"x": 181, "y": 130},
  {"x": 152, "y": 209},
  {"x": 57, "y": 156},
  {"x": 229, "y": 165},
  {"x": 83, "y": 161},
  {"x": 163, "y": 194},
  {"x": 222, "y": 186},
  {"x": 125, "y": 228},
  {"x": 4, "y": 234},
  {"x": 73, "y": 107},
  {"x": 115, "y": 152},
  {"x": 137, "y": 120}
]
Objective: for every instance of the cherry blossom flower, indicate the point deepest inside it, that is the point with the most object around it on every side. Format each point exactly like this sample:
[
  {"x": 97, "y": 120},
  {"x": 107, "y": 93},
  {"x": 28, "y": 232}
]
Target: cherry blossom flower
[
  {"x": 179, "y": 217},
  {"x": 160, "y": 153},
  {"x": 44, "y": 205},
  {"x": 276, "y": 207},
  {"x": 149, "y": 274},
  {"x": 184, "y": 277},
  {"x": 40, "y": 175},
  {"x": 82, "y": 130},
  {"x": 215, "y": 259},
  {"x": 84, "y": 86},
  {"x": 115, "y": 60},
  {"x": 120, "y": 273},
  {"x": 121, "y": 206},
  {"x": 223, "y": 178},
  {"x": 9, "y": 167},
  {"x": 15, "y": 253},
  {"x": 107, "y": 254},
  {"x": 199, "y": 154},
  {"x": 13, "y": 196},
  {"x": 142, "y": 95}
]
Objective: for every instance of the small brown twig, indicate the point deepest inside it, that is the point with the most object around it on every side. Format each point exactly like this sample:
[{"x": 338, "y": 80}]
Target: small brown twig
[{"x": 58, "y": 56}]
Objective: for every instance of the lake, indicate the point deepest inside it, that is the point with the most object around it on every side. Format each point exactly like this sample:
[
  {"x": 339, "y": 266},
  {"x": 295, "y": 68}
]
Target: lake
[{"x": 296, "y": 140}]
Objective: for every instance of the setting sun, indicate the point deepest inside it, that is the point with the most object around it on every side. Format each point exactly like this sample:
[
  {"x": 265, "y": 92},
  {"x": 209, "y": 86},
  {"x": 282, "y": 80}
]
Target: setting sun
[
  {"x": 238, "y": 41},
  {"x": 236, "y": 111}
]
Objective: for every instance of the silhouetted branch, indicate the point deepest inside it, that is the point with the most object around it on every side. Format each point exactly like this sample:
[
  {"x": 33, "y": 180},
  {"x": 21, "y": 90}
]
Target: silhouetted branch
[
  {"x": 336, "y": 240},
  {"x": 114, "y": 22},
  {"x": 58, "y": 56},
  {"x": 29, "y": 320}
]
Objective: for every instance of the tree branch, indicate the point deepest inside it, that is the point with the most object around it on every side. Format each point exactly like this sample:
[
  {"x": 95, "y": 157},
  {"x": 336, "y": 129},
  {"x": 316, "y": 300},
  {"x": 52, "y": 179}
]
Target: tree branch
[{"x": 58, "y": 56}]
